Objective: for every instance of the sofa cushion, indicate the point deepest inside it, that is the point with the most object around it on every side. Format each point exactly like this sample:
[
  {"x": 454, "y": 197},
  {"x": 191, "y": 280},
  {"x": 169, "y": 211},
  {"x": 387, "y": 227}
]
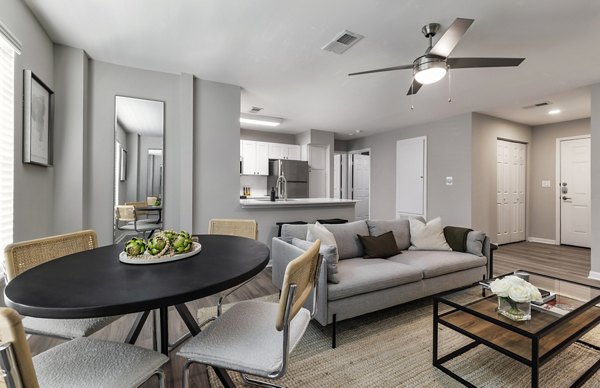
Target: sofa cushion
[
  {"x": 475, "y": 240},
  {"x": 427, "y": 236},
  {"x": 329, "y": 253},
  {"x": 400, "y": 228},
  {"x": 346, "y": 238},
  {"x": 359, "y": 276},
  {"x": 289, "y": 231},
  {"x": 381, "y": 246},
  {"x": 436, "y": 263}
]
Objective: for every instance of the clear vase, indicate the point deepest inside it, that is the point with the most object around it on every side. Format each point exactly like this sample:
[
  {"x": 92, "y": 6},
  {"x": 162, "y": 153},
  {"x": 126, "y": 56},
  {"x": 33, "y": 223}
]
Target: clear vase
[{"x": 517, "y": 311}]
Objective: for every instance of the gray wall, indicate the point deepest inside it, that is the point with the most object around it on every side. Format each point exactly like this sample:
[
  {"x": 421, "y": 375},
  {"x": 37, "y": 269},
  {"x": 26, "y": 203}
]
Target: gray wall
[
  {"x": 33, "y": 185},
  {"x": 486, "y": 131},
  {"x": 270, "y": 137},
  {"x": 595, "y": 130},
  {"x": 216, "y": 152},
  {"x": 105, "y": 82},
  {"x": 70, "y": 137},
  {"x": 448, "y": 154},
  {"x": 543, "y": 167}
]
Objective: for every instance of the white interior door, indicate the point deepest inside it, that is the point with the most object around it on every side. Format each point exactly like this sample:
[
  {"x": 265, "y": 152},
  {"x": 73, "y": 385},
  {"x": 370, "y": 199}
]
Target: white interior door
[
  {"x": 575, "y": 220},
  {"x": 411, "y": 177},
  {"x": 511, "y": 162},
  {"x": 317, "y": 175},
  {"x": 361, "y": 172}
]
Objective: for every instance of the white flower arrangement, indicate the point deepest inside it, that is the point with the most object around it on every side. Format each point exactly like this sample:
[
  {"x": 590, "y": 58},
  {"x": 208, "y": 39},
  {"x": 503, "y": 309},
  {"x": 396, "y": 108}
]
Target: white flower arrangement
[{"x": 517, "y": 289}]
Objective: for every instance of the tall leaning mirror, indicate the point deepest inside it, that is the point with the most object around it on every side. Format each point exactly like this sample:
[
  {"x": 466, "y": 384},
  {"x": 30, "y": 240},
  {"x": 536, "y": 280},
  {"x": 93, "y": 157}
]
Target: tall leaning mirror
[{"x": 138, "y": 173}]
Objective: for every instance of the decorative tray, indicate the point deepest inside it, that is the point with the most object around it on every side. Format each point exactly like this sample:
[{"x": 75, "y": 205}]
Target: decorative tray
[{"x": 148, "y": 259}]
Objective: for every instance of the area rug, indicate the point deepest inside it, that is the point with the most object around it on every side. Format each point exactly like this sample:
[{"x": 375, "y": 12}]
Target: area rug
[{"x": 392, "y": 348}]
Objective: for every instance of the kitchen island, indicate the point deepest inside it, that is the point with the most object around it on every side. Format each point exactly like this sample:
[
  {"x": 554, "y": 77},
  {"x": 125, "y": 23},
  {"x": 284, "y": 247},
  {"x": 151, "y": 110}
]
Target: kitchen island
[{"x": 268, "y": 213}]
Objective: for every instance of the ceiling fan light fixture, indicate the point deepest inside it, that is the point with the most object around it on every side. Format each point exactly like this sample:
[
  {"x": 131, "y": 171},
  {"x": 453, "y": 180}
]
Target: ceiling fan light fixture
[{"x": 430, "y": 72}]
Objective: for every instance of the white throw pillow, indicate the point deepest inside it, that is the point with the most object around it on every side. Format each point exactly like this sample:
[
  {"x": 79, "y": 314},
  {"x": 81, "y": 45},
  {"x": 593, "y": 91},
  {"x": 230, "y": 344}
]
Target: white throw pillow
[
  {"x": 427, "y": 236},
  {"x": 319, "y": 232}
]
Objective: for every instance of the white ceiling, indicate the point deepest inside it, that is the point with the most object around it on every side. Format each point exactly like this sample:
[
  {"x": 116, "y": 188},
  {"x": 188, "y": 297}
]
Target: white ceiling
[
  {"x": 136, "y": 115},
  {"x": 272, "y": 49}
]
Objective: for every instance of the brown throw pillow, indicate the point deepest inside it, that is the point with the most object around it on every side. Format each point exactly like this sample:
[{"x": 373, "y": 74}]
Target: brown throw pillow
[{"x": 382, "y": 246}]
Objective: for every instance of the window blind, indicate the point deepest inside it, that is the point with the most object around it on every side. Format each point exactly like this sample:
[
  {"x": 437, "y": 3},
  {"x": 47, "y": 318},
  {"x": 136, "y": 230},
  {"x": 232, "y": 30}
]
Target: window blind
[{"x": 7, "y": 146}]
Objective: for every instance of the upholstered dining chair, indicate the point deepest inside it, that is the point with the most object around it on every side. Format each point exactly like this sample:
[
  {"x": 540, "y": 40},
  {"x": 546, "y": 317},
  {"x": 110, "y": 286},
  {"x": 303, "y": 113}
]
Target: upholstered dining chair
[
  {"x": 254, "y": 337},
  {"x": 126, "y": 218},
  {"x": 22, "y": 256},
  {"x": 240, "y": 228},
  {"x": 83, "y": 362},
  {"x": 142, "y": 215}
]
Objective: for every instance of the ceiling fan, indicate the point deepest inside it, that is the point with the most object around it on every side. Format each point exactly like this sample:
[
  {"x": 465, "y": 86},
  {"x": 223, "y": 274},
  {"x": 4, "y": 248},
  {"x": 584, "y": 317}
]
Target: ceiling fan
[{"x": 434, "y": 64}]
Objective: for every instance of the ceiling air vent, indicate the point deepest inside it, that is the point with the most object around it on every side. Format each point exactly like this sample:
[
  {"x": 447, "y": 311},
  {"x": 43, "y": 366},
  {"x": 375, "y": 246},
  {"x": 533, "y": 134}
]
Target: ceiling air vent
[
  {"x": 255, "y": 109},
  {"x": 538, "y": 105},
  {"x": 342, "y": 42}
]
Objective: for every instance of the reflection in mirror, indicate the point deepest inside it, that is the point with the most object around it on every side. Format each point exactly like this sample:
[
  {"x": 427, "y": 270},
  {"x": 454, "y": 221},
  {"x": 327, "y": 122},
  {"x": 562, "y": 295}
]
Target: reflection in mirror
[{"x": 138, "y": 173}]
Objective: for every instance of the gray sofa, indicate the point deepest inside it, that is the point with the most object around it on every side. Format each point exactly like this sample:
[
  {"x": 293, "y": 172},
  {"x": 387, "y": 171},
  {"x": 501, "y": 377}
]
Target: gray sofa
[{"x": 367, "y": 285}]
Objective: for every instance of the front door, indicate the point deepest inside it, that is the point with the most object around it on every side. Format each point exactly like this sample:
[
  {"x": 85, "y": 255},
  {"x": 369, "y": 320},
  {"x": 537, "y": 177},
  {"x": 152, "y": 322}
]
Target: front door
[{"x": 575, "y": 173}]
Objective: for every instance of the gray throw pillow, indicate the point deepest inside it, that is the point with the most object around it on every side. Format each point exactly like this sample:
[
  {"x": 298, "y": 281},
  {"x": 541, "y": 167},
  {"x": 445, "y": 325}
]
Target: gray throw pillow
[
  {"x": 475, "y": 240},
  {"x": 400, "y": 229},
  {"x": 329, "y": 253},
  {"x": 346, "y": 239}
]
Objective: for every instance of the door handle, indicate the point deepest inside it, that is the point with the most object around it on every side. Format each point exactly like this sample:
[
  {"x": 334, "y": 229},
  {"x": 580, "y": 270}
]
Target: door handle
[{"x": 565, "y": 198}]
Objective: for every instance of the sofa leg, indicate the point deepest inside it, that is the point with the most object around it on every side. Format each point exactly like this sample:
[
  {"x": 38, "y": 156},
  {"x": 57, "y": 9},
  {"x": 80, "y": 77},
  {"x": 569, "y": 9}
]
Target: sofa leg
[{"x": 333, "y": 332}]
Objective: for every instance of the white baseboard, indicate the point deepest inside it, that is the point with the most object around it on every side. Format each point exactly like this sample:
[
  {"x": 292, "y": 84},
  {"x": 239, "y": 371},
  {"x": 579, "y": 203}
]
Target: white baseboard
[
  {"x": 594, "y": 275},
  {"x": 541, "y": 240}
]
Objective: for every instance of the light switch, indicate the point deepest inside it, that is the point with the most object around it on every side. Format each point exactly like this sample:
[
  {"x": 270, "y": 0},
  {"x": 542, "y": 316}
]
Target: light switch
[
  {"x": 448, "y": 181},
  {"x": 546, "y": 184}
]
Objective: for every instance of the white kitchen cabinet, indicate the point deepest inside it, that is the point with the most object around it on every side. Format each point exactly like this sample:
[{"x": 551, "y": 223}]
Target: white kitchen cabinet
[
  {"x": 294, "y": 152},
  {"x": 255, "y": 157},
  {"x": 284, "y": 151},
  {"x": 278, "y": 151}
]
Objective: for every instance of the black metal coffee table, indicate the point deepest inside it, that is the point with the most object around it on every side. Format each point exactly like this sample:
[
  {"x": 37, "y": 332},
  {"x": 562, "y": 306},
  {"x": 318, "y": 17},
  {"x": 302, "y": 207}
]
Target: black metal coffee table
[{"x": 474, "y": 314}]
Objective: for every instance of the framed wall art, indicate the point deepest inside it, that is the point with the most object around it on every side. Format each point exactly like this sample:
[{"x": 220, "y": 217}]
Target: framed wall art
[{"x": 38, "y": 112}]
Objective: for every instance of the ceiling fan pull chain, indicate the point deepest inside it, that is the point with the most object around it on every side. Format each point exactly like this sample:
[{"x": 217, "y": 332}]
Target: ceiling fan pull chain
[{"x": 449, "y": 85}]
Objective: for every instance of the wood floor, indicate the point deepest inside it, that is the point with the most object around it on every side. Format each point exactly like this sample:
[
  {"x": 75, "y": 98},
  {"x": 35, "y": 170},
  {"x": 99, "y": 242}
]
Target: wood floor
[{"x": 566, "y": 262}]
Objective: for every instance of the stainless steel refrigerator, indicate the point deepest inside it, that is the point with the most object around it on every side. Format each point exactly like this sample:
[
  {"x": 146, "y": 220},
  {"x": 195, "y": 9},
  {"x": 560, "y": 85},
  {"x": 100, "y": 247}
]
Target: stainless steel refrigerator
[{"x": 295, "y": 173}]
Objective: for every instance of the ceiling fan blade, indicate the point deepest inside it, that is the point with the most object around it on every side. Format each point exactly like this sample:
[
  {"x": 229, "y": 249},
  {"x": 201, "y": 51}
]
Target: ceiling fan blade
[
  {"x": 451, "y": 37},
  {"x": 414, "y": 88},
  {"x": 463, "y": 63},
  {"x": 384, "y": 69}
]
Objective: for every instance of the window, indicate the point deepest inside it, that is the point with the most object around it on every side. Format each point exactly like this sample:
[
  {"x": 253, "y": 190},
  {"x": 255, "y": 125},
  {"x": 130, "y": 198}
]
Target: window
[{"x": 7, "y": 143}]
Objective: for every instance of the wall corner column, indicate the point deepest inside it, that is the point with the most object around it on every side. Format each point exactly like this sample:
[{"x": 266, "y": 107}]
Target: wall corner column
[
  {"x": 595, "y": 181},
  {"x": 186, "y": 155}
]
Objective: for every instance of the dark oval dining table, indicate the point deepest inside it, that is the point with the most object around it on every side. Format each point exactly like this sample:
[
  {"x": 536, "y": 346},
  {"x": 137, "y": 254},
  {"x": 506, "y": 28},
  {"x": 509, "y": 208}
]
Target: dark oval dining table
[{"x": 95, "y": 283}]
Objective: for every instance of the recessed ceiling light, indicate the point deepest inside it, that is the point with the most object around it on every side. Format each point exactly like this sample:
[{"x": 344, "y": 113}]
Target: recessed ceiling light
[
  {"x": 260, "y": 120},
  {"x": 554, "y": 112}
]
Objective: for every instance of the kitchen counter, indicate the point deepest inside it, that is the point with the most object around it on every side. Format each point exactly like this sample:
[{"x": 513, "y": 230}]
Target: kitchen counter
[{"x": 295, "y": 202}]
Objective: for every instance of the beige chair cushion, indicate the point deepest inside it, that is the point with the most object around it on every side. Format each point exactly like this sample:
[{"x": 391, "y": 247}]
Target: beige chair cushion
[
  {"x": 244, "y": 339},
  {"x": 88, "y": 362},
  {"x": 66, "y": 328}
]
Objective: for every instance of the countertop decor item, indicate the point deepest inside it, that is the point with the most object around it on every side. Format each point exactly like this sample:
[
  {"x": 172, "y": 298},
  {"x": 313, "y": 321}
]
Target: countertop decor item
[{"x": 515, "y": 296}]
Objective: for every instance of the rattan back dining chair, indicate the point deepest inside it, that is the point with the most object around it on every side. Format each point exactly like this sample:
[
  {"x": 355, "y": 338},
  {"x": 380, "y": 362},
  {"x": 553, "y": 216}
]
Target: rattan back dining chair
[
  {"x": 126, "y": 218},
  {"x": 83, "y": 362},
  {"x": 247, "y": 337},
  {"x": 232, "y": 227},
  {"x": 22, "y": 256}
]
